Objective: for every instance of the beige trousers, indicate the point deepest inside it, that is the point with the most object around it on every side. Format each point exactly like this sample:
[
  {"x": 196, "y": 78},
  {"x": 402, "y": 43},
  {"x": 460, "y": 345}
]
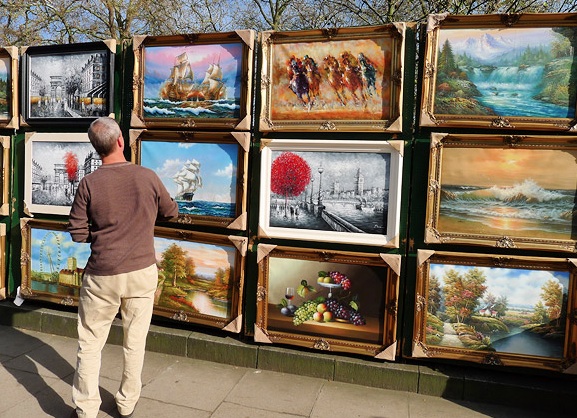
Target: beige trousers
[{"x": 100, "y": 299}]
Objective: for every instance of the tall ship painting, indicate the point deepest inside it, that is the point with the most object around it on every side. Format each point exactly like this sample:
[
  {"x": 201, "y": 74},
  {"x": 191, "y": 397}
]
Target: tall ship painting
[
  {"x": 187, "y": 181},
  {"x": 181, "y": 86}
]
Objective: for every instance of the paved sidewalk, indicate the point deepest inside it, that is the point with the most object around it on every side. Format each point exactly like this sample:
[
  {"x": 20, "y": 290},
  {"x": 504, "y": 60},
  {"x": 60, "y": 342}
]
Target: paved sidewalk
[{"x": 36, "y": 372}]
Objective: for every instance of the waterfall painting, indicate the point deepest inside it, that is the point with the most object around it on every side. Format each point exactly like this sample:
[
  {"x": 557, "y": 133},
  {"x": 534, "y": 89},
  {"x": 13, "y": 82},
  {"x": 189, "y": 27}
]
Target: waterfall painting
[
  {"x": 501, "y": 191},
  {"x": 514, "y": 74},
  {"x": 505, "y": 311},
  {"x": 336, "y": 191}
]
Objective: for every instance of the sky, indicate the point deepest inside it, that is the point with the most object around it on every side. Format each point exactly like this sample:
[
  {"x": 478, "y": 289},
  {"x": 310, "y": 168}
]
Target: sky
[
  {"x": 218, "y": 166},
  {"x": 519, "y": 37},
  {"x": 207, "y": 257},
  {"x": 506, "y": 167},
  {"x": 522, "y": 287},
  {"x": 159, "y": 60}
]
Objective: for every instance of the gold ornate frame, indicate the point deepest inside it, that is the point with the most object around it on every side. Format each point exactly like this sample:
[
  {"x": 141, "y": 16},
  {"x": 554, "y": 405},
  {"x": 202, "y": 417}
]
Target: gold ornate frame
[
  {"x": 499, "y": 177},
  {"x": 473, "y": 340},
  {"x": 326, "y": 108},
  {"x": 246, "y": 40},
  {"x": 374, "y": 280},
  {"x": 471, "y": 114},
  {"x": 239, "y": 140}
]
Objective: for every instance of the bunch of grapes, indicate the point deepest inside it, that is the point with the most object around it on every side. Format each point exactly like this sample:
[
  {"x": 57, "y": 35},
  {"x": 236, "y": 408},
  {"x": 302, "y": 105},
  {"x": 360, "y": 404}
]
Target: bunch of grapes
[
  {"x": 340, "y": 278},
  {"x": 305, "y": 312},
  {"x": 345, "y": 312}
]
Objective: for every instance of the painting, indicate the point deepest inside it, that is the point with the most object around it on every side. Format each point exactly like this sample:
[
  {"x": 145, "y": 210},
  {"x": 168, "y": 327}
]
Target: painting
[
  {"x": 500, "y": 71},
  {"x": 497, "y": 310},
  {"x": 3, "y": 261},
  {"x": 200, "y": 278},
  {"x": 68, "y": 84},
  {"x": 501, "y": 191},
  {"x": 347, "y": 79},
  {"x": 52, "y": 264},
  {"x": 9, "y": 60},
  {"x": 6, "y": 175},
  {"x": 205, "y": 172},
  {"x": 193, "y": 81},
  {"x": 328, "y": 300},
  {"x": 331, "y": 190},
  {"x": 54, "y": 165}
]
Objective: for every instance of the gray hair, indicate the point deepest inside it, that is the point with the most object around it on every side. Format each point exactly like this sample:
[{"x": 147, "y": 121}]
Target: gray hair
[{"x": 103, "y": 133}]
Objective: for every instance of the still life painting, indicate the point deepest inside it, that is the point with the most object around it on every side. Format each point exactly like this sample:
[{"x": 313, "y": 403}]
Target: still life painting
[
  {"x": 515, "y": 76},
  {"x": 501, "y": 309}
]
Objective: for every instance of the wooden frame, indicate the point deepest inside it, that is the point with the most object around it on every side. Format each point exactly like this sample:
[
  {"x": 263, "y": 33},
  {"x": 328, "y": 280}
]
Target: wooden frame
[
  {"x": 54, "y": 165},
  {"x": 224, "y": 60},
  {"x": 5, "y": 168},
  {"x": 367, "y": 304},
  {"x": 210, "y": 295},
  {"x": 496, "y": 310},
  {"x": 9, "y": 59},
  {"x": 218, "y": 178},
  {"x": 501, "y": 191},
  {"x": 52, "y": 265},
  {"x": 307, "y": 88},
  {"x": 512, "y": 71},
  {"x": 70, "y": 84},
  {"x": 335, "y": 191}
]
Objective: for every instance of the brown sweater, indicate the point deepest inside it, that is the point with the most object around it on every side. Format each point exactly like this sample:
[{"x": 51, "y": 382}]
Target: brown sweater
[{"x": 115, "y": 209}]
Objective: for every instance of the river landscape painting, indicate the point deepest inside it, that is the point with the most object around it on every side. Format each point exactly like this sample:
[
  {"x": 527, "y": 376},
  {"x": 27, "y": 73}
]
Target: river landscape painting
[
  {"x": 484, "y": 191},
  {"x": 502, "y": 75},
  {"x": 349, "y": 192},
  {"x": 496, "y": 308}
]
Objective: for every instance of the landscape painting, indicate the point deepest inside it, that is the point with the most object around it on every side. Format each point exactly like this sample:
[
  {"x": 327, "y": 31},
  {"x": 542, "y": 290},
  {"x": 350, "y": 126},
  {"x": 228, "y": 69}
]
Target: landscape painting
[
  {"x": 311, "y": 298},
  {"x": 199, "y": 277},
  {"x": 9, "y": 63},
  {"x": 55, "y": 164},
  {"x": 330, "y": 190},
  {"x": 485, "y": 190},
  {"x": 502, "y": 76},
  {"x": 350, "y": 78},
  {"x": 192, "y": 80},
  {"x": 5, "y": 86},
  {"x": 498, "y": 308},
  {"x": 54, "y": 264},
  {"x": 204, "y": 174}
]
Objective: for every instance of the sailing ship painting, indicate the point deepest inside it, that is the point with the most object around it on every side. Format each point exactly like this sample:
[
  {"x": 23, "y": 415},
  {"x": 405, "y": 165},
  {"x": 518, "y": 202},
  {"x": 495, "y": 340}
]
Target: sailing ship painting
[
  {"x": 201, "y": 177},
  {"x": 193, "y": 81}
]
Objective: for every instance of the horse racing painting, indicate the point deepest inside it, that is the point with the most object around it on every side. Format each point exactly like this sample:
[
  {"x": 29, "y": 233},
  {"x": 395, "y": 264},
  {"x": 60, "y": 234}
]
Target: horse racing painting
[
  {"x": 349, "y": 80},
  {"x": 335, "y": 191}
]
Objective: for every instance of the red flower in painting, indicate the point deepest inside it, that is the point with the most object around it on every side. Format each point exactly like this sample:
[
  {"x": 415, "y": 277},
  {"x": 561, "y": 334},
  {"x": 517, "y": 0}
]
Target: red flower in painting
[{"x": 290, "y": 174}]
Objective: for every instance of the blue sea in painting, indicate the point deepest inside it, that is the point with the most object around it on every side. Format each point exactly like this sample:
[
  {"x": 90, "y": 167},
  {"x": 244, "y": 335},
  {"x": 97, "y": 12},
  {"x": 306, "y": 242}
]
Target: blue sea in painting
[
  {"x": 205, "y": 208},
  {"x": 526, "y": 206},
  {"x": 217, "y": 109}
]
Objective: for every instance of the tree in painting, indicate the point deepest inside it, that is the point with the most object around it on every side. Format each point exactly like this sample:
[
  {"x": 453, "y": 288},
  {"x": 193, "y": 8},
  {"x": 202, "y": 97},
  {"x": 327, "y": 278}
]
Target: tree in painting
[
  {"x": 290, "y": 174},
  {"x": 71, "y": 166}
]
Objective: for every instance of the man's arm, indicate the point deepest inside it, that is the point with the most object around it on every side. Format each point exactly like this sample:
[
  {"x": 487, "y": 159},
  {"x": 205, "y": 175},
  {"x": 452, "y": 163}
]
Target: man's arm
[
  {"x": 167, "y": 206},
  {"x": 79, "y": 225}
]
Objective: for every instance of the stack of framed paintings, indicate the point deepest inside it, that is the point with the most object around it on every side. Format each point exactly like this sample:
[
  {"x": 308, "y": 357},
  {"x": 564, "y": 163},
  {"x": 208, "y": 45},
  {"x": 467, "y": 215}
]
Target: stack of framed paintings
[
  {"x": 514, "y": 192},
  {"x": 190, "y": 123},
  {"x": 340, "y": 191}
]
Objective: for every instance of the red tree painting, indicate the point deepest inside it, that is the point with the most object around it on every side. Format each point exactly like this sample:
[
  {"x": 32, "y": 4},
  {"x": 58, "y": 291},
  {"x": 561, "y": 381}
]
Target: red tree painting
[
  {"x": 71, "y": 166},
  {"x": 290, "y": 174}
]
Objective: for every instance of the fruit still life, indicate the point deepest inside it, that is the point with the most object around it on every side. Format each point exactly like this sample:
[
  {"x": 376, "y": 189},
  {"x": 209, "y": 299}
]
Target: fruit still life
[{"x": 340, "y": 307}]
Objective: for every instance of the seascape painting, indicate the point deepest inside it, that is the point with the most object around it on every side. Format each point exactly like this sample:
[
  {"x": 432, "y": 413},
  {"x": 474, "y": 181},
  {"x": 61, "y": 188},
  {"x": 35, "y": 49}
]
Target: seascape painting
[
  {"x": 56, "y": 263},
  {"x": 55, "y": 164},
  {"x": 508, "y": 72},
  {"x": 193, "y": 81},
  {"x": 194, "y": 278},
  {"x": 201, "y": 176},
  {"x": 71, "y": 85},
  {"x": 508, "y": 192},
  {"x": 497, "y": 309},
  {"x": 5, "y": 88}
]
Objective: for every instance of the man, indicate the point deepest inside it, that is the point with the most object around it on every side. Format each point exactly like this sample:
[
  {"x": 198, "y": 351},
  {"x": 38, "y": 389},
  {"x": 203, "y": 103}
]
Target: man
[{"x": 115, "y": 209}]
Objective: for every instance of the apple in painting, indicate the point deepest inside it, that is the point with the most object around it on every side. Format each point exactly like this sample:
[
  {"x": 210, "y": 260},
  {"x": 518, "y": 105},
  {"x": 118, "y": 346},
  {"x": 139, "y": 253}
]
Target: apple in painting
[
  {"x": 321, "y": 307},
  {"x": 317, "y": 316},
  {"x": 327, "y": 316}
]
